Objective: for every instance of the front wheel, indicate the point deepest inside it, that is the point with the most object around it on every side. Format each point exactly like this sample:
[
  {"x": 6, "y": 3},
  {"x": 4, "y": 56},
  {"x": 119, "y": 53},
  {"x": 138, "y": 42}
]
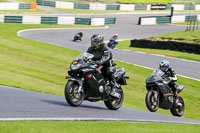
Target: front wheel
[
  {"x": 178, "y": 110},
  {"x": 151, "y": 103},
  {"x": 115, "y": 103},
  {"x": 72, "y": 96}
]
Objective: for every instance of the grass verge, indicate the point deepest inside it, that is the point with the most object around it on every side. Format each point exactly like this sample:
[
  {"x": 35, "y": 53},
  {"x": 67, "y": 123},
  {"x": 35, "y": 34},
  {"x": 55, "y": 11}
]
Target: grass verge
[
  {"x": 42, "y": 67},
  {"x": 35, "y": 11},
  {"x": 94, "y": 127},
  {"x": 181, "y": 36}
]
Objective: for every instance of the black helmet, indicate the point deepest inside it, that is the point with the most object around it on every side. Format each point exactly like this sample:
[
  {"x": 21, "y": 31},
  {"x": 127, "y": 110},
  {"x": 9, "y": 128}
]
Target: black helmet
[{"x": 96, "y": 40}]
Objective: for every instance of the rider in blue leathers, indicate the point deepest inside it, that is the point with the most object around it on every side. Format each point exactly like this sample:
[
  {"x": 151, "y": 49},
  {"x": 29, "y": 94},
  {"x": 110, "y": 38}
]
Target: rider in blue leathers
[{"x": 113, "y": 41}]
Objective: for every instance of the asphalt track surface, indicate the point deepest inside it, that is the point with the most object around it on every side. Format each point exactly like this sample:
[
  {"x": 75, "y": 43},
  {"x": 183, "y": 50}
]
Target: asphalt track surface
[
  {"x": 17, "y": 104},
  {"x": 20, "y": 104}
]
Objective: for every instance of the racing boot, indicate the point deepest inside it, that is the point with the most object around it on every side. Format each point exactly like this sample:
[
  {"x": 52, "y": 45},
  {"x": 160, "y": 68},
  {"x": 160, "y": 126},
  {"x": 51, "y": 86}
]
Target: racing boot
[
  {"x": 176, "y": 99},
  {"x": 113, "y": 91}
]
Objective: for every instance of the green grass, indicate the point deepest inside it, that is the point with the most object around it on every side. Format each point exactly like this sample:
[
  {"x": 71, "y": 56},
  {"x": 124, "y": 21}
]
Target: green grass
[
  {"x": 93, "y": 127},
  {"x": 42, "y": 67},
  {"x": 184, "y": 23},
  {"x": 4, "y": 1},
  {"x": 181, "y": 36},
  {"x": 27, "y": 1},
  {"x": 35, "y": 11}
]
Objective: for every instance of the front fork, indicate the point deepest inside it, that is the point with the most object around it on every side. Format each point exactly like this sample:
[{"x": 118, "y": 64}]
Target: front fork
[
  {"x": 80, "y": 82},
  {"x": 155, "y": 95}
]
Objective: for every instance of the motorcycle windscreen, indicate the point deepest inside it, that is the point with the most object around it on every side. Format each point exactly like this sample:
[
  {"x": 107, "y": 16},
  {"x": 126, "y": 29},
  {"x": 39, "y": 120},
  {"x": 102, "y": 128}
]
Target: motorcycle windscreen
[{"x": 95, "y": 84}]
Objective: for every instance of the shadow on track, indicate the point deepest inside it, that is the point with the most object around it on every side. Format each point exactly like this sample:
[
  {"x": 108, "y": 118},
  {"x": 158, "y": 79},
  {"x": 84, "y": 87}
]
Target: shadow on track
[{"x": 61, "y": 103}]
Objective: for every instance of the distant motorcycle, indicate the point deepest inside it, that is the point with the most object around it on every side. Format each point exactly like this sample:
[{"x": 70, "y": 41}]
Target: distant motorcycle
[
  {"x": 112, "y": 43},
  {"x": 87, "y": 83},
  {"x": 161, "y": 95},
  {"x": 77, "y": 37}
]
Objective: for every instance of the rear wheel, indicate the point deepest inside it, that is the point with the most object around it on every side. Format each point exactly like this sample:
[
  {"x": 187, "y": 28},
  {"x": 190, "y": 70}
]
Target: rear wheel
[
  {"x": 72, "y": 96},
  {"x": 178, "y": 110},
  {"x": 115, "y": 103},
  {"x": 151, "y": 103}
]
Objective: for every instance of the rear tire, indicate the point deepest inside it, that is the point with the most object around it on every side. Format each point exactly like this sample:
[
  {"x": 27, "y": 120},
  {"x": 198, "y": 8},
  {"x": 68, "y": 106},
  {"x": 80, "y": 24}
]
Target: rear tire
[
  {"x": 151, "y": 104},
  {"x": 71, "y": 94},
  {"x": 178, "y": 111},
  {"x": 115, "y": 103}
]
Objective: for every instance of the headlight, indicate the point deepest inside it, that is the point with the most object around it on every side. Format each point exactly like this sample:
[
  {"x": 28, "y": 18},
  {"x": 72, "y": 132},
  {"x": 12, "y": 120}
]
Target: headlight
[{"x": 75, "y": 66}]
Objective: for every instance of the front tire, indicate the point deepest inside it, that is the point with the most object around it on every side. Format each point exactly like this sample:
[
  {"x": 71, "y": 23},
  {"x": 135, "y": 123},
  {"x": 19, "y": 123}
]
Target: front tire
[
  {"x": 72, "y": 96},
  {"x": 115, "y": 103},
  {"x": 151, "y": 104},
  {"x": 176, "y": 110}
]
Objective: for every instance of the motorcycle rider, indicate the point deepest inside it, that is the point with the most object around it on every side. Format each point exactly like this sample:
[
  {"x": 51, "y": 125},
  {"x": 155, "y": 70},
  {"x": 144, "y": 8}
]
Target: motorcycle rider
[
  {"x": 103, "y": 57},
  {"x": 169, "y": 73},
  {"x": 80, "y": 35},
  {"x": 113, "y": 41}
]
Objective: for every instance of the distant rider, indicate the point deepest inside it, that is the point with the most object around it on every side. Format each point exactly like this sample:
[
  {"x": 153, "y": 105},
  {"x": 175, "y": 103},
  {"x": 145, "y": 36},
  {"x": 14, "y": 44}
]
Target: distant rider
[
  {"x": 113, "y": 41},
  {"x": 169, "y": 72},
  {"x": 102, "y": 56},
  {"x": 80, "y": 35}
]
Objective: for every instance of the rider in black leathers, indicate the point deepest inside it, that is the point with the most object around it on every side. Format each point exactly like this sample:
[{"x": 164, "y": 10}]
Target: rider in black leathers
[
  {"x": 80, "y": 34},
  {"x": 102, "y": 56}
]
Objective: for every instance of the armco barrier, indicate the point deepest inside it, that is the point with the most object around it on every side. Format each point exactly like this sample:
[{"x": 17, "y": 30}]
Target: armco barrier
[
  {"x": 125, "y": 7},
  {"x": 14, "y": 6},
  {"x": 84, "y": 21},
  {"x": 39, "y": 2},
  {"x": 178, "y": 19},
  {"x": 27, "y": 19},
  {"x": 163, "y": 20},
  {"x": 49, "y": 3},
  {"x": 167, "y": 19},
  {"x": 1, "y": 18},
  {"x": 140, "y": 7},
  {"x": 170, "y": 45},
  {"x": 190, "y": 18},
  {"x": 97, "y": 6},
  {"x": 13, "y": 19},
  {"x": 9, "y": 6},
  {"x": 48, "y": 19},
  {"x": 189, "y": 7},
  {"x": 64, "y": 5},
  {"x": 81, "y": 6},
  {"x": 24, "y": 6},
  {"x": 110, "y": 20},
  {"x": 112, "y": 7},
  {"x": 66, "y": 20}
]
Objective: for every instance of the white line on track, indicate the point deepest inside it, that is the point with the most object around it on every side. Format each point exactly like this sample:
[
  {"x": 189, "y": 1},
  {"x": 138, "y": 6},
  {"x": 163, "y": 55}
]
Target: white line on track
[
  {"x": 94, "y": 119},
  {"x": 19, "y": 32}
]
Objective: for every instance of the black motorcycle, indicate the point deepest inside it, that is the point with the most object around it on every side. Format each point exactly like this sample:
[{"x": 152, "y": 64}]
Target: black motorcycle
[
  {"x": 161, "y": 95},
  {"x": 77, "y": 37},
  {"x": 86, "y": 82}
]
